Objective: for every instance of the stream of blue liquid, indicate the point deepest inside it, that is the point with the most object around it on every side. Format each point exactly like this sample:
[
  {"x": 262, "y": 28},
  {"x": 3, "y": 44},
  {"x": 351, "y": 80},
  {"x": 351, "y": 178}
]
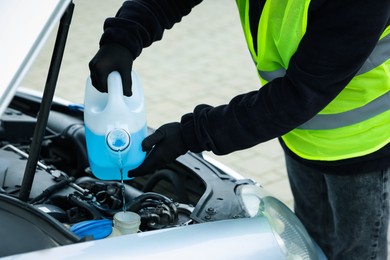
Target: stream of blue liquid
[{"x": 122, "y": 184}]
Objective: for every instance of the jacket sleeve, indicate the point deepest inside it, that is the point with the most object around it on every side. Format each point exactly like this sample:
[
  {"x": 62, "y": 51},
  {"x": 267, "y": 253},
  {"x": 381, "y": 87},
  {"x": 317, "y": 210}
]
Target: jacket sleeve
[
  {"x": 339, "y": 38},
  {"x": 139, "y": 23}
]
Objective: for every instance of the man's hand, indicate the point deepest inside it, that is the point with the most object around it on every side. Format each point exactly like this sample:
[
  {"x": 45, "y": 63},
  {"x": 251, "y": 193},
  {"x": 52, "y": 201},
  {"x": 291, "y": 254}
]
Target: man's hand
[
  {"x": 165, "y": 145},
  {"x": 109, "y": 58}
]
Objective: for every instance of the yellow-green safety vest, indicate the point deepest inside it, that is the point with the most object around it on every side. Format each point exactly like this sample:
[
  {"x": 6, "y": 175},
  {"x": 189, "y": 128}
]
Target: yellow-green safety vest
[{"x": 357, "y": 121}]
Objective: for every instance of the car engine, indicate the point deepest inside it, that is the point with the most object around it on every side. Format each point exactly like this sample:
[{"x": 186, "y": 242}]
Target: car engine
[{"x": 189, "y": 191}]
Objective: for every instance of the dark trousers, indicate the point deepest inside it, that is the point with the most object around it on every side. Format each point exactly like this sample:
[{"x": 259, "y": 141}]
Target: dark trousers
[{"x": 348, "y": 216}]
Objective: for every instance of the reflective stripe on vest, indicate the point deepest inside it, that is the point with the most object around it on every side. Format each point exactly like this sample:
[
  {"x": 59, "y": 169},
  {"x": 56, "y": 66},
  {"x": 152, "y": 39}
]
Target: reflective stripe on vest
[{"x": 380, "y": 54}]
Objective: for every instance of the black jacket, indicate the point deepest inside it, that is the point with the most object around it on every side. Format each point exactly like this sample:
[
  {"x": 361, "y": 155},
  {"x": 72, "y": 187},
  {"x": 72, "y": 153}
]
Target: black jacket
[{"x": 339, "y": 38}]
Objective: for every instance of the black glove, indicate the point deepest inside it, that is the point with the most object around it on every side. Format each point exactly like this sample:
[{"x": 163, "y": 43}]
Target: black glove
[
  {"x": 165, "y": 145},
  {"x": 109, "y": 58}
]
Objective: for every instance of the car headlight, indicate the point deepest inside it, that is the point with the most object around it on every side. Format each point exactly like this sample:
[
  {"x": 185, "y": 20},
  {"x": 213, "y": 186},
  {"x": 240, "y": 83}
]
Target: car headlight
[{"x": 289, "y": 232}]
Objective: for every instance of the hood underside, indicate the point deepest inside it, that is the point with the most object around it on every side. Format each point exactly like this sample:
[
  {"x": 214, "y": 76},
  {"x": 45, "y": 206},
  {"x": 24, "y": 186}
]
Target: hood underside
[{"x": 26, "y": 26}]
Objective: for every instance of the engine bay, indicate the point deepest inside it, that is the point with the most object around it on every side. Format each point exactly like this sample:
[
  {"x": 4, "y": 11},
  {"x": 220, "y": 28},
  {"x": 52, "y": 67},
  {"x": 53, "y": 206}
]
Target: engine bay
[{"x": 189, "y": 191}]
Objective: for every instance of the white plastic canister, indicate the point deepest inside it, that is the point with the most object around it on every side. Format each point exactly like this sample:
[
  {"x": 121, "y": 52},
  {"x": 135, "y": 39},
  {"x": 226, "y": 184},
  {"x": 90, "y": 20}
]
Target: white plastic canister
[{"x": 115, "y": 126}]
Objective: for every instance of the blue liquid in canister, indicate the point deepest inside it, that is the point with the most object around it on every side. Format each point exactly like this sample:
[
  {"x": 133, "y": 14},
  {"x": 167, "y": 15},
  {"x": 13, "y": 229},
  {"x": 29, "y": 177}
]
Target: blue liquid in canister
[
  {"x": 115, "y": 126},
  {"x": 106, "y": 163}
]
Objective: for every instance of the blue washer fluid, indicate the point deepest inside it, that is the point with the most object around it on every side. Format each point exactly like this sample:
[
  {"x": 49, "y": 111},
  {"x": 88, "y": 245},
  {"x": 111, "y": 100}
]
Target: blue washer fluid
[{"x": 115, "y": 126}]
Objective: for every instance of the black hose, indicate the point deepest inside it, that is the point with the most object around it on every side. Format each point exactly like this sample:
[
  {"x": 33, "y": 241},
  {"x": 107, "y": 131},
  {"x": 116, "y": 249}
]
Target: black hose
[
  {"x": 46, "y": 193},
  {"x": 137, "y": 203},
  {"x": 75, "y": 200}
]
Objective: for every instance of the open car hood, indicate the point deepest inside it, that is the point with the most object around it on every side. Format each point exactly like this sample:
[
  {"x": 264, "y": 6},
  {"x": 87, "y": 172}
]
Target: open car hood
[{"x": 26, "y": 25}]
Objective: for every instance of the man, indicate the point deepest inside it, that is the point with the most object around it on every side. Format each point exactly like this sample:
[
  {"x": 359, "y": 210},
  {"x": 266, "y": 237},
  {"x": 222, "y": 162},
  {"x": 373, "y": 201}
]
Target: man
[{"x": 324, "y": 65}]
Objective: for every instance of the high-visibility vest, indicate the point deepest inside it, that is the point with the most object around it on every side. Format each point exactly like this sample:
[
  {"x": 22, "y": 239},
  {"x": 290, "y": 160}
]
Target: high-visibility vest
[{"x": 357, "y": 121}]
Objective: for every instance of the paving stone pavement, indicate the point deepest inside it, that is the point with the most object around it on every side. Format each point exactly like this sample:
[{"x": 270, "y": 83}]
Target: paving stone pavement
[{"x": 203, "y": 59}]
